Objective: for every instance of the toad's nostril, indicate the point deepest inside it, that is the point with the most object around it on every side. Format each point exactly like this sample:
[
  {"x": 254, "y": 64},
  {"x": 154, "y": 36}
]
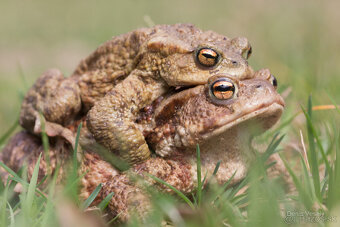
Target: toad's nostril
[
  {"x": 258, "y": 86},
  {"x": 235, "y": 63}
]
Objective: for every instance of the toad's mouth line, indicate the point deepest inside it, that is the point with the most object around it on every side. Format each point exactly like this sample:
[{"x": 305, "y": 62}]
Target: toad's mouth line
[
  {"x": 178, "y": 89},
  {"x": 267, "y": 116}
]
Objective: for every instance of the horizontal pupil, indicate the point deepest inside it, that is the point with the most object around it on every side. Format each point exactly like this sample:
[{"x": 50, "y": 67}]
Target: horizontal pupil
[
  {"x": 224, "y": 88},
  {"x": 208, "y": 56}
]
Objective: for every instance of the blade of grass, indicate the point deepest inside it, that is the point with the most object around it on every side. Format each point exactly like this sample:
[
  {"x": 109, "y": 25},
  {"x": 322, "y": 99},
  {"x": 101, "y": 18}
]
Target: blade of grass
[
  {"x": 93, "y": 195},
  {"x": 216, "y": 168},
  {"x": 42, "y": 181},
  {"x": 232, "y": 214},
  {"x": 3, "y": 201},
  {"x": 45, "y": 218},
  {"x": 270, "y": 164},
  {"x": 45, "y": 142},
  {"x": 303, "y": 195},
  {"x": 337, "y": 169},
  {"x": 18, "y": 179},
  {"x": 194, "y": 199},
  {"x": 331, "y": 146},
  {"x": 222, "y": 189},
  {"x": 114, "y": 219},
  {"x": 238, "y": 188},
  {"x": 12, "y": 183},
  {"x": 179, "y": 193},
  {"x": 13, "y": 174},
  {"x": 324, "y": 183},
  {"x": 11, "y": 215},
  {"x": 334, "y": 103},
  {"x": 214, "y": 173},
  {"x": 315, "y": 135},
  {"x": 307, "y": 180},
  {"x": 199, "y": 181},
  {"x": 71, "y": 188},
  {"x": 75, "y": 152},
  {"x": 32, "y": 186},
  {"x": 241, "y": 200},
  {"x": 204, "y": 178},
  {"x": 318, "y": 142},
  {"x": 312, "y": 157},
  {"x": 71, "y": 184},
  {"x": 271, "y": 149},
  {"x": 273, "y": 140},
  {"x": 333, "y": 197},
  {"x": 103, "y": 204},
  {"x": 2, "y": 186}
]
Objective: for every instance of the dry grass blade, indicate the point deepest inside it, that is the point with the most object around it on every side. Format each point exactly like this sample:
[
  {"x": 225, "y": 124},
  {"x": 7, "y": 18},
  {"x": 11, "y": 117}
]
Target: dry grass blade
[{"x": 304, "y": 151}]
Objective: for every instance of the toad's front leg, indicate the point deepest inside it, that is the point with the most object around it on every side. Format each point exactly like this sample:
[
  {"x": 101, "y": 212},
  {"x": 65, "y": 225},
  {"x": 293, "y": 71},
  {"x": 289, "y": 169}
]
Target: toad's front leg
[
  {"x": 112, "y": 119},
  {"x": 57, "y": 99}
]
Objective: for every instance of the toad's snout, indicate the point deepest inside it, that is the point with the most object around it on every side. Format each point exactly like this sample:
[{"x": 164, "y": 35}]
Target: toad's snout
[{"x": 260, "y": 91}]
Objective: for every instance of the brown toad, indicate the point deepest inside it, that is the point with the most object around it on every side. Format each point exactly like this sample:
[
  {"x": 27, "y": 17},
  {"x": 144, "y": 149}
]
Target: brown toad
[
  {"x": 218, "y": 115},
  {"x": 126, "y": 74},
  {"x": 221, "y": 116}
]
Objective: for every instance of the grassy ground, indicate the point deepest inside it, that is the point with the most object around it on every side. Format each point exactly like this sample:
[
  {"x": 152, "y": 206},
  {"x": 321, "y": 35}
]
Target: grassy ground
[{"x": 298, "y": 41}]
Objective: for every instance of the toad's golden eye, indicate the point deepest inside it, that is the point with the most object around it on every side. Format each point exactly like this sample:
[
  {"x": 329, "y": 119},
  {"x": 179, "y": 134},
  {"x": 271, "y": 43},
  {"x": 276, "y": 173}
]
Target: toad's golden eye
[
  {"x": 207, "y": 57},
  {"x": 223, "y": 89},
  {"x": 273, "y": 81}
]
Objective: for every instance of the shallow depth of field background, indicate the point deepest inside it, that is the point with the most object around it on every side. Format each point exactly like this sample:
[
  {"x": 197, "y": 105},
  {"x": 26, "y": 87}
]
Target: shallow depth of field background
[{"x": 299, "y": 41}]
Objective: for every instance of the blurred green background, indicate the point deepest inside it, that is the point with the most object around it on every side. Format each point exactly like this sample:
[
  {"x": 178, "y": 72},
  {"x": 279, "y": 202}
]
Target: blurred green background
[{"x": 299, "y": 41}]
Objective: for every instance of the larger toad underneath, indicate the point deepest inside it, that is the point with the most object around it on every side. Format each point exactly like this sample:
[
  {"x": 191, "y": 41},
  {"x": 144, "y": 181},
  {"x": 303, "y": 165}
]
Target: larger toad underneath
[{"x": 218, "y": 115}]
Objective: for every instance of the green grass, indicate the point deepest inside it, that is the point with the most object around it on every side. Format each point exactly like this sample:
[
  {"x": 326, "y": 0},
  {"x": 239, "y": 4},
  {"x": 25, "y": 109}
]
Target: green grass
[{"x": 255, "y": 201}]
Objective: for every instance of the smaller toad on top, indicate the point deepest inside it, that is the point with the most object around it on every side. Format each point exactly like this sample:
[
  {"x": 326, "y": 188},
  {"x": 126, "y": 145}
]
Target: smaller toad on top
[{"x": 128, "y": 73}]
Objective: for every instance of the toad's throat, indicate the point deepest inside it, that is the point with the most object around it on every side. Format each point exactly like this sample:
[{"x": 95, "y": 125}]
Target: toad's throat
[{"x": 230, "y": 144}]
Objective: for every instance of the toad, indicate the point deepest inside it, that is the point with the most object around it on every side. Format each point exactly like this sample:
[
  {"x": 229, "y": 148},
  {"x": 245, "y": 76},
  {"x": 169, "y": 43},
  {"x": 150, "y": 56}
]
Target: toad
[
  {"x": 221, "y": 116},
  {"x": 126, "y": 74}
]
